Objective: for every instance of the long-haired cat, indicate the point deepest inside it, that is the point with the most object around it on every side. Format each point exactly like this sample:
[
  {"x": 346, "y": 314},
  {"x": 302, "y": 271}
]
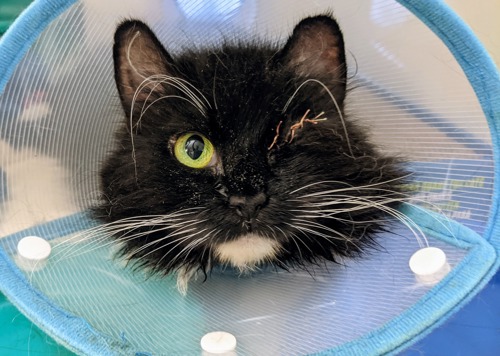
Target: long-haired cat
[{"x": 241, "y": 155}]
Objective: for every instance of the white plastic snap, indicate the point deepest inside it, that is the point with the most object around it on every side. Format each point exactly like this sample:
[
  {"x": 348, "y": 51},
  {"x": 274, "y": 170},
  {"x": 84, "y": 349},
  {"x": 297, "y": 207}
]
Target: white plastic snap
[
  {"x": 218, "y": 342},
  {"x": 32, "y": 252},
  {"x": 429, "y": 265}
]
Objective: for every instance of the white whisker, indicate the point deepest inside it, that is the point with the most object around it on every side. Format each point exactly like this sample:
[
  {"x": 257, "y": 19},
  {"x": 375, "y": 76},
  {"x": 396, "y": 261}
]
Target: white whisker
[
  {"x": 125, "y": 227},
  {"x": 129, "y": 60},
  {"x": 179, "y": 83},
  {"x": 339, "y": 111},
  {"x": 349, "y": 185}
]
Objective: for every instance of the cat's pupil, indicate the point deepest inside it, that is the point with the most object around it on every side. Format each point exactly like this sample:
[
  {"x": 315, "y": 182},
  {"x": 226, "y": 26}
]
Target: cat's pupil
[{"x": 194, "y": 147}]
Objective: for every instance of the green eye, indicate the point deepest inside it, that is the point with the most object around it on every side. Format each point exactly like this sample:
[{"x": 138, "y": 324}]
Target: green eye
[{"x": 194, "y": 150}]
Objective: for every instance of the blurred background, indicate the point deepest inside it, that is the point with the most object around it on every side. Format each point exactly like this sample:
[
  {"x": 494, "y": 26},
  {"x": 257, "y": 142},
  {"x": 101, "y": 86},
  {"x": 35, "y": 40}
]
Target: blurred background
[
  {"x": 482, "y": 17},
  {"x": 18, "y": 336}
]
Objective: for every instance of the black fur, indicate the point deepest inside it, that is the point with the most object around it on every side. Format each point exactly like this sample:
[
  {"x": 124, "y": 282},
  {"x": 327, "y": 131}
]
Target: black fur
[{"x": 247, "y": 86}]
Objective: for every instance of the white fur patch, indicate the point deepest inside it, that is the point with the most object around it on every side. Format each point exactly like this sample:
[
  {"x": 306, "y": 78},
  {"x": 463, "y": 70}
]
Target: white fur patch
[{"x": 247, "y": 251}]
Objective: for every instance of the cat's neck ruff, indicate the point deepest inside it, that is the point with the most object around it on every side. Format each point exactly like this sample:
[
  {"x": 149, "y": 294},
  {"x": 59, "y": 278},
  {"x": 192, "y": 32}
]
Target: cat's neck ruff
[{"x": 247, "y": 251}]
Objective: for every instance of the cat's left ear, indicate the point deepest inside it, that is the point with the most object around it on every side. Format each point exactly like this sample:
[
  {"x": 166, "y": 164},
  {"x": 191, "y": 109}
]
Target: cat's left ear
[
  {"x": 316, "y": 50},
  {"x": 140, "y": 61}
]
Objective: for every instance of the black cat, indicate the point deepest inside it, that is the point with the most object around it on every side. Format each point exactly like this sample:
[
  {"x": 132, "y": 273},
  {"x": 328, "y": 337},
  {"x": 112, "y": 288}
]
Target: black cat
[{"x": 241, "y": 155}]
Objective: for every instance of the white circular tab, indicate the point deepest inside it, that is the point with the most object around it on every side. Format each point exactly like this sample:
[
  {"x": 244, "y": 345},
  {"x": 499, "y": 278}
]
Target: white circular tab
[
  {"x": 32, "y": 252},
  {"x": 429, "y": 265},
  {"x": 218, "y": 342}
]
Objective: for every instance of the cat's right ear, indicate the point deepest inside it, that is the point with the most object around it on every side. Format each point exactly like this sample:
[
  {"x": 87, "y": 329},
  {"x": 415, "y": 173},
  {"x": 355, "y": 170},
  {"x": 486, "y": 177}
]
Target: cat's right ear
[{"x": 140, "y": 62}]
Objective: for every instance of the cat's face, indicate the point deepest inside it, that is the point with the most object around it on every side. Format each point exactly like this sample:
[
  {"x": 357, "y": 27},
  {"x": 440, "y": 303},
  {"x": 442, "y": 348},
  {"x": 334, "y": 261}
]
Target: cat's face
[{"x": 241, "y": 154}]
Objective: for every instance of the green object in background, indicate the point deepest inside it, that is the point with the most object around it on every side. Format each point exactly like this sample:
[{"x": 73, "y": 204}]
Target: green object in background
[
  {"x": 9, "y": 10},
  {"x": 18, "y": 335}
]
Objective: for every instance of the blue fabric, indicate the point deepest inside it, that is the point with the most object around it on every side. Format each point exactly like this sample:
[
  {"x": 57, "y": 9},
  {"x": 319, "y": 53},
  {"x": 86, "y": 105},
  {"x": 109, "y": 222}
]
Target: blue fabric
[
  {"x": 485, "y": 80},
  {"x": 69, "y": 330},
  {"x": 80, "y": 337},
  {"x": 53, "y": 229},
  {"x": 443, "y": 300},
  {"x": 24, "y": 31},
  {"x": 440, "y": 302},
  {"x": 483, "y": 75}
]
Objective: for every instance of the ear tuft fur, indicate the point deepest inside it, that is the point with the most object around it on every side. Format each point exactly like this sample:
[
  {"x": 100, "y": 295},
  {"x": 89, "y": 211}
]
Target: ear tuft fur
[
  {"x": 138, "y": 55},
  {"x": 316, "y": 50}
]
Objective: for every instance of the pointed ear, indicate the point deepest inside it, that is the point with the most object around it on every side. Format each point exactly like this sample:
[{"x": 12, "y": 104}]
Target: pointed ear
[
  {"x": 137, "y": 55},
  {"x": 316, "y": 50}
]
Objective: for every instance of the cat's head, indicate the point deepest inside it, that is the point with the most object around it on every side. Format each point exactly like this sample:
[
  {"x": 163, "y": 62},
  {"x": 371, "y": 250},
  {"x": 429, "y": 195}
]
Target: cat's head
[{"x": 240, "y": 154}]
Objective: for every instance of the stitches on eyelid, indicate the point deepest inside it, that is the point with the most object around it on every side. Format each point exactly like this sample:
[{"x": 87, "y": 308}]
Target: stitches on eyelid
[{"x": 297, "y": 126}]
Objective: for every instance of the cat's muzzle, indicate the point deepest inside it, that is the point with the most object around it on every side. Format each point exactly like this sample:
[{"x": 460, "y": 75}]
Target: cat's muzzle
[{"x": 248, "y": 208}]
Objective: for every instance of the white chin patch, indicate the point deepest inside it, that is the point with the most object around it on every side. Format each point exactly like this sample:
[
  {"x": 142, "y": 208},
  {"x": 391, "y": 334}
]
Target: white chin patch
[{"x": 247, "y": 251}]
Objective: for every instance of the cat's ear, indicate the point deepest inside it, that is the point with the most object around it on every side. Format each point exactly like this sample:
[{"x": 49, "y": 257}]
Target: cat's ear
[
  {"x": 316, "y": 50},
  {"x": 138, "y": 55}
]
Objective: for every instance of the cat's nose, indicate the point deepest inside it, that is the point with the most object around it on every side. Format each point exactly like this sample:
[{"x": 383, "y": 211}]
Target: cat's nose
[{"x": 248, "y": 207}]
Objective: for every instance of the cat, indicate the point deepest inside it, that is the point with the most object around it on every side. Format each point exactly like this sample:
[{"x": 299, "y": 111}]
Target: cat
[{"x": 241, "y": 155}]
